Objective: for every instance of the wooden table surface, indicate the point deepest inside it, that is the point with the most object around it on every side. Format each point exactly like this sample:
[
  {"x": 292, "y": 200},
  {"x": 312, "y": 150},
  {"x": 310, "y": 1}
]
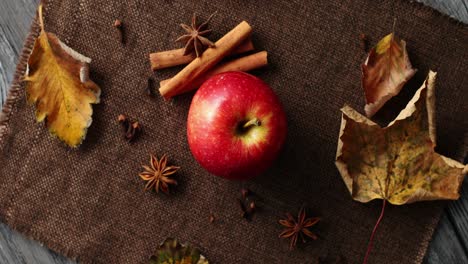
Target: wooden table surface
[{"x": 450, "y": 241}]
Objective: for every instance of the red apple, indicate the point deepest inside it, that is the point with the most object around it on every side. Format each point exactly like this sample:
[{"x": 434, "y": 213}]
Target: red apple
[{"x": 236, "y": 126}]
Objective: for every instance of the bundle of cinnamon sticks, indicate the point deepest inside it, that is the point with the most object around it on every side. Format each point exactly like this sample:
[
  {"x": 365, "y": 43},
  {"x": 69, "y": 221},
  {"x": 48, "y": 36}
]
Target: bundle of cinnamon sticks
[{"x": 198, "y": 70}]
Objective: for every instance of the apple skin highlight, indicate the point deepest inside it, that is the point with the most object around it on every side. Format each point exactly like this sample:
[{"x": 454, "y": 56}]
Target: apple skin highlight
[{"x": 236, "y": 126}]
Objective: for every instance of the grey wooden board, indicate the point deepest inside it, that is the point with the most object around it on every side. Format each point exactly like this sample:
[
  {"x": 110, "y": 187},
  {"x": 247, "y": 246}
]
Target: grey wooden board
[
  {"x": 450, "y": 241},
  {"x": 15, "y": 20}
]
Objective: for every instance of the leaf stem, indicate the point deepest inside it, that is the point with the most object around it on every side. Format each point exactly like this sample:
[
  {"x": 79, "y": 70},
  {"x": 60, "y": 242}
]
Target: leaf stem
[
  {"x": 371, "y": 240},
  {"x": 41, "y": 20},
  {"x": 393, "y": 29}
]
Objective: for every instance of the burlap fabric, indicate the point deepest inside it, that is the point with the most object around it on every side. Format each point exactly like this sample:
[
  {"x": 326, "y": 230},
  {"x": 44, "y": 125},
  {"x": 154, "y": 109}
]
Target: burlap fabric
[{"x": 89, "y": 203}]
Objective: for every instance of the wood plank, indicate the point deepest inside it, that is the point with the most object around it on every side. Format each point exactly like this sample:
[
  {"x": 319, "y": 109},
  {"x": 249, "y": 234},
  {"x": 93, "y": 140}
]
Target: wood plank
[
  {"x": 17, "y": 249},
  {"x": 457, "y": 9},
  {"x": 457, "y": 213},
  {"x": 15, "y": 20},
  {"x": 450, "y": 240},
  {"x": 445, "y": 248}
]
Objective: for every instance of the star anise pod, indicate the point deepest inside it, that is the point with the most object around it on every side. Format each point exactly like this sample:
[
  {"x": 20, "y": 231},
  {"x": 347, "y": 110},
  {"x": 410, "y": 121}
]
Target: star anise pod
[
  {"x": 157, "y": 174},
  {"x": 196, "y": 41},
  {"x": 299, "y": 227}
]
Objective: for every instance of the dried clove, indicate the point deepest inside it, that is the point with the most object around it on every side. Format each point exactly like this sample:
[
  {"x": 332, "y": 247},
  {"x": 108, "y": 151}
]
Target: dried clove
[
  {"x": 364, "y": 41},
  {"x": 149, "y": 87},
  {"x": 242, "y": 207},
  {"x": 245, "y": 192},
  {"x": 252, "y": 206},
  {"x": 133, "y": 129},
  {"x": 122, "y": 118},
  {"x": 212, "y": 218},
  {"x": 118, "y": 25},
  {"x": 247, "y": 204},
  {"x": 130, "y": 128}
]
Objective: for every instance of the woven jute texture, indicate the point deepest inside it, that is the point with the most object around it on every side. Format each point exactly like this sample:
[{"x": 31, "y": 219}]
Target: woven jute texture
[{"x": 89, "y": 204}]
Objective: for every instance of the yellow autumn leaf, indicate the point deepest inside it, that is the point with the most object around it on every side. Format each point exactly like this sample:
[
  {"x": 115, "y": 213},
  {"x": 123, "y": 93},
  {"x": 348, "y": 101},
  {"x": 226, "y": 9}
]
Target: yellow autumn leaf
[
  {"x": 397, "y": 163},
  {"x": 173, "y": 252},
  {"x": 57, "y": 83},
  {"x": 385, "y": 71}
]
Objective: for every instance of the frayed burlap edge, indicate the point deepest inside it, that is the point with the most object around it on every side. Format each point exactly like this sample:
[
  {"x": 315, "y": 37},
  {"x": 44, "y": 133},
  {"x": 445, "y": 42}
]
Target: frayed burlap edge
[
  {"x": 17, "y": 84},
  {"x": 14, "y": 94}
]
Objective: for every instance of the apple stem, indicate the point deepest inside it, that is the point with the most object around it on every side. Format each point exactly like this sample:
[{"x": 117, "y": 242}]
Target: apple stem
[
  {"x": 371, "y": 240},
  {"x": 252, "y": 122}
]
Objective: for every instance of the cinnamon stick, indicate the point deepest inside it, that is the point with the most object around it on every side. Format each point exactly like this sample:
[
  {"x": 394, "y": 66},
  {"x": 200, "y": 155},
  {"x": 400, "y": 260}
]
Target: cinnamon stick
[
  {"x": 171, "y": 58},
  {"x": 224, "y": 46},
  {"x": 247, "y": 63}
]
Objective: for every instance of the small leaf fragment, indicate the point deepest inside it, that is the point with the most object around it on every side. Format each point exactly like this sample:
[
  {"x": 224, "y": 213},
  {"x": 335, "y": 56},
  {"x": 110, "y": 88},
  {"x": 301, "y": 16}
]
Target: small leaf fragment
[
  {"x": 57, "y": 83},
  {"x": 397, "y": 163},
  {"x": 385, "y": 71},
  {"x": 172, "y": 252}
]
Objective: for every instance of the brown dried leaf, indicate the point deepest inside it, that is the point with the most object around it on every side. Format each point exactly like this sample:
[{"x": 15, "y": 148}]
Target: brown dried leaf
[
  {"x": 57, "y": 83},
  {"x": 398, "y": 162},
  {"x": 385, "y": 71}
]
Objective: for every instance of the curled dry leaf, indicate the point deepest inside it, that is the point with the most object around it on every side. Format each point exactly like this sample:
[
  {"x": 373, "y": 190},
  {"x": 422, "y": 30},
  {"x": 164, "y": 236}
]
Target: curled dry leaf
[
  {"x": 172, "y": 252},
  {"x": 385, "y": 71},
  {"x": 397, "y": 163},
  {"x": 57, "y": 83}
]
